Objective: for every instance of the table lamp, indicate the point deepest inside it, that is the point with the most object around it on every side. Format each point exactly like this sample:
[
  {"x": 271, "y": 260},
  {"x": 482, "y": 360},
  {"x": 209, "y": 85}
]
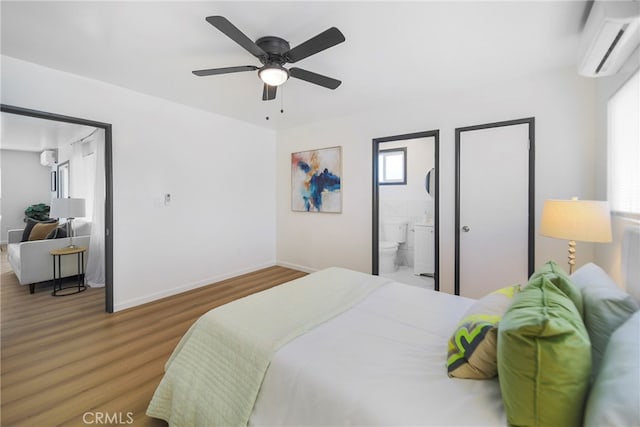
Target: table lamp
[
  {"x": 68, "y": 208},
  {"x": 581, "y": 220}
]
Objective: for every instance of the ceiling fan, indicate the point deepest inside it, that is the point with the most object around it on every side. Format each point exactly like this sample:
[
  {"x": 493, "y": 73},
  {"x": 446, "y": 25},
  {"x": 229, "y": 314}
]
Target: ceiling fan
[{"x": 274, "y": 52}]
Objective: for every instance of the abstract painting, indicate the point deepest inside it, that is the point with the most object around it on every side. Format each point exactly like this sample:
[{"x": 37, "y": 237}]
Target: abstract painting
[{"x": 315, "y": 180}]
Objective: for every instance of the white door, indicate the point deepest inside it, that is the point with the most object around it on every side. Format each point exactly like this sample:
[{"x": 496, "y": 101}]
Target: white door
[{"x": 493, "y": 208}]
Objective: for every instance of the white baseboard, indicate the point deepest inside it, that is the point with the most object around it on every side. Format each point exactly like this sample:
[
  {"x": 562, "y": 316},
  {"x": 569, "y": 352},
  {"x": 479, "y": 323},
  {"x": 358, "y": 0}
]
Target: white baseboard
[
  {"x": 184, "y": 288},
  {"x": 296, "y": 267}
]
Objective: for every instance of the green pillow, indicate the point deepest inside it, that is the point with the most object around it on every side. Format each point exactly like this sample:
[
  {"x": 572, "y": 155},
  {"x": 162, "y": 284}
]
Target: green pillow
[
  {"x": 606, "y": 307},
  {"x": 562, "y": 281},
  {"x": 544, "y": 357},
  {"x": 472, "y": 348}
]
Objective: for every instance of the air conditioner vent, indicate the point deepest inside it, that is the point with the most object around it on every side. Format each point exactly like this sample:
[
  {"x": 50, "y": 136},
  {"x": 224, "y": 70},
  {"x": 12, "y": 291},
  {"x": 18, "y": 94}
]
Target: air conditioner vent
[
  {"x": 611, "y": 33},
  {"x": 48, "y": 158},
  {"x": 611, "y": 48}
]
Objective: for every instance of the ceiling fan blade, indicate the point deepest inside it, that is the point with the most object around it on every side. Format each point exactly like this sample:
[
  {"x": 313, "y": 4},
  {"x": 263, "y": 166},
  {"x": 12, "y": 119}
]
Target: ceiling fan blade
[
  {"x": 269, "y": 92},
  {"x": 225, "y": 70},
  {"x": 322, "y": 41},
  {"x": 314, "y": 78},
  {"x": 230, "y": 30}
]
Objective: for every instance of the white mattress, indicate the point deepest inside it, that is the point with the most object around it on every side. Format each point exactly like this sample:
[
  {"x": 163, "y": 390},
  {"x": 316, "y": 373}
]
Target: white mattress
[{"x": 380, "y": 363}]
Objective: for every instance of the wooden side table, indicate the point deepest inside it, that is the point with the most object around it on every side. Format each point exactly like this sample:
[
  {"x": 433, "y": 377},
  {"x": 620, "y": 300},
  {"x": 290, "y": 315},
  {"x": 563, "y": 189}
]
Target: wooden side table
[{"x": 57, "y": 281}]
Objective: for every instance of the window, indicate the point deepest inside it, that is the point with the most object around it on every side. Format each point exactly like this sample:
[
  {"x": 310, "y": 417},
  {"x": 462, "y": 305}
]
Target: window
[
  {"x": 623, "y": 148},
  {"x": 392, "y": 166}
]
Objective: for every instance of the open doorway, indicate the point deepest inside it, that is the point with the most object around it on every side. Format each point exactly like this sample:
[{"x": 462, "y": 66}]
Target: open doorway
[
  {"x": 97, "y": 143},
  {"x": 405, "y": 222}
]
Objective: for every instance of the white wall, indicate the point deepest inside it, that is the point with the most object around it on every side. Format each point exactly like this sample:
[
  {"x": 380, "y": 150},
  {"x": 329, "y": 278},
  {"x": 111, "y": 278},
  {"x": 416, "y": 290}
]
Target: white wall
[
  {"x": 221, "y": 220},
  {"x": 608, "y": 255},
  {"x": 562, "y": 103},
  {"x": 25, "y": 182},
  {"x": 219, "y": 172}
]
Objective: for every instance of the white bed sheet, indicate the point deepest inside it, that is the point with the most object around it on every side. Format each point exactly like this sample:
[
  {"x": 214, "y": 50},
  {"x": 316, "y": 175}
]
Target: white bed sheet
[{"x": 380, "y": 363}]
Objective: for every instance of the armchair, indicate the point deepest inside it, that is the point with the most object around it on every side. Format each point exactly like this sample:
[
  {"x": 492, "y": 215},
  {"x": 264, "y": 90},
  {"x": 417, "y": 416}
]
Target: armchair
[{"x": 31, "y": 261}]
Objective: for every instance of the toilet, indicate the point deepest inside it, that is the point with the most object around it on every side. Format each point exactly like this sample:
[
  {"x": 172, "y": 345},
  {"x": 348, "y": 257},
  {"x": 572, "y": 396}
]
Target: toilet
[{"x": 394, "y": 233}]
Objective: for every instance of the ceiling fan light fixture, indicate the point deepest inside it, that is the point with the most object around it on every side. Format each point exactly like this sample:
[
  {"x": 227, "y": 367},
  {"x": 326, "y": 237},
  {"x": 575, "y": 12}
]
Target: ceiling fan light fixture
[{"x": 273, "y": 74}]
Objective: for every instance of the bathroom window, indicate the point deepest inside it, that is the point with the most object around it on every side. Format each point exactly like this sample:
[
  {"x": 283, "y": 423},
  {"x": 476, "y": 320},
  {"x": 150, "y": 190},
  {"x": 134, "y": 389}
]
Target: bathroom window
[{"x": 392, "y": 166}]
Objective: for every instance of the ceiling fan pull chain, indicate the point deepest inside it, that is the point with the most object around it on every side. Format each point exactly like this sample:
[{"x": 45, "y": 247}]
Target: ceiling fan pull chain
[{"x": 282, "y": 101}]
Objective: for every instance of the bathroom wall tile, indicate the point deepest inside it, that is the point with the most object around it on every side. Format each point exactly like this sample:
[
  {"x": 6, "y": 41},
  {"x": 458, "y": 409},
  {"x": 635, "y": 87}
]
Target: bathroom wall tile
[{"x": 417, "y": 208}]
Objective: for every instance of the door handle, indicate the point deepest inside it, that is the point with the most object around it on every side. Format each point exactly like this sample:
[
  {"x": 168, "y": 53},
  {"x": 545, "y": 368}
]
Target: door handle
[{"x": 466, "y": 229}]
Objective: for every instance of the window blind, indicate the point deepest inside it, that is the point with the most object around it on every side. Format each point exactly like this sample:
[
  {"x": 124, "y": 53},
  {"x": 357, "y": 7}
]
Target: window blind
[{"x": 623, "y": 148}]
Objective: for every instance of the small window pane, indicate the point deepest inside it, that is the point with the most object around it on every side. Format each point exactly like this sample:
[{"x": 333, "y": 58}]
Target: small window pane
[{"x": 392, "y": 167}]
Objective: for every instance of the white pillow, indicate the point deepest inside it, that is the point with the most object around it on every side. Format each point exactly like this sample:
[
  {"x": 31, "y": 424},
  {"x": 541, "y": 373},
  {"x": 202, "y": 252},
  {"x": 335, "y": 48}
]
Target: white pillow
[{"x": 615, "y": 396}]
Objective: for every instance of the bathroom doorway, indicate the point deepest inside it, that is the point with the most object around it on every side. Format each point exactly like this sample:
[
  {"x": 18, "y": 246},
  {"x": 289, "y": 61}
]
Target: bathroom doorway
[{"x": 405, "y": 208}]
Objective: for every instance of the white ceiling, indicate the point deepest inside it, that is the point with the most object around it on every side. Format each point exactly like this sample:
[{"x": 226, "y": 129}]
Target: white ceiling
[
  {"x": 395, "y": 52},
  {"x": 33, "y": 134}
]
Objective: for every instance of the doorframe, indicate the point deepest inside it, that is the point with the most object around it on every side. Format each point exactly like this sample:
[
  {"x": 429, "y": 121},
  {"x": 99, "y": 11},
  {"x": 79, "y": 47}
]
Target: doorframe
[
  {"x": 376, "y": 199},
  {"x": 531, "y": 121},
  {"x": 108, "y": 167}
]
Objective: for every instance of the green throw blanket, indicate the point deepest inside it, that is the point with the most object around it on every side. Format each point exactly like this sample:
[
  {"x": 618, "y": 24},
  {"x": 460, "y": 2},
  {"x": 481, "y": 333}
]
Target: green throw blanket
[{"x": 214, "y": 375}]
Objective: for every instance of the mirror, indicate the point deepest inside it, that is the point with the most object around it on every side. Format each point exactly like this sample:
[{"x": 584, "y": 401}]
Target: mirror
[{"x": 429, "y": 182}]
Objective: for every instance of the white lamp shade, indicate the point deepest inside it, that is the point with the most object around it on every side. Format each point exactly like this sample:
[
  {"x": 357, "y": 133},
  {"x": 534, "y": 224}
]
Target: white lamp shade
[
  {"x": 67, "y": 208},
  {"x": 581, "y": 220}
]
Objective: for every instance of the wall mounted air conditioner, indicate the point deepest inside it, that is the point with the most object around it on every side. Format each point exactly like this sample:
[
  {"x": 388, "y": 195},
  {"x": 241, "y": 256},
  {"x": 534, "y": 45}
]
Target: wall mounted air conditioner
[
  {"x": 48, "y": 158},
  {"x": 611, "y": 33}
]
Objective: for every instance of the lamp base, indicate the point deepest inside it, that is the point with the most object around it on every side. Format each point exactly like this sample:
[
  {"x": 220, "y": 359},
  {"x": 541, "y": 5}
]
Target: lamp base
[{"x": 572, "y": 255}]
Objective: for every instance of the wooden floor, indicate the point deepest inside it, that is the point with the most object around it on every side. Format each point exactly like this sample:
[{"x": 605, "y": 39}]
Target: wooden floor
[{"x": 63, "y": 358}]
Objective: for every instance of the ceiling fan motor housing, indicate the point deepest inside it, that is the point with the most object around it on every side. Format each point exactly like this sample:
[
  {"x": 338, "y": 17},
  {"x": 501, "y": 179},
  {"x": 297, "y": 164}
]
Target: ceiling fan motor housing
[{"x": 275, "y": 47}]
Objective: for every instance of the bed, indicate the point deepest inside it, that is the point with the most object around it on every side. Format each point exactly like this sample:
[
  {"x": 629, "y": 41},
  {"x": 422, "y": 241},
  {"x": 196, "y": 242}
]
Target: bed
[
  {"x": 379, "y": 363},
  {"x": 339, "y": 347}
]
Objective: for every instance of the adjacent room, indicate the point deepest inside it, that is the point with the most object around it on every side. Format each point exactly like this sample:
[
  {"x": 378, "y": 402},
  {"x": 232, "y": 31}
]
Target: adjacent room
[{"x": 320, "y": 212}]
